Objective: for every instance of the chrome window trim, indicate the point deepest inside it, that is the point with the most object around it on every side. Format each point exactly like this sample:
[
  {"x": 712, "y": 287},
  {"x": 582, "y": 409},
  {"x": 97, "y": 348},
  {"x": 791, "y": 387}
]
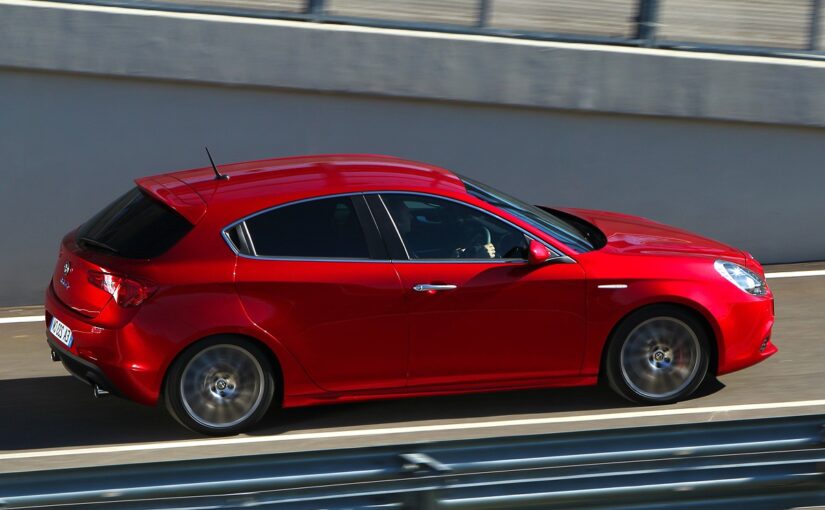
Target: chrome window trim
[
  {"x": 228, "y": 241},
  {"x": 248, "y": 237},
  {"x": 242, "y": 232},
  {"x": 462, "y": 261},
  {"x": 309, "y": 259}
]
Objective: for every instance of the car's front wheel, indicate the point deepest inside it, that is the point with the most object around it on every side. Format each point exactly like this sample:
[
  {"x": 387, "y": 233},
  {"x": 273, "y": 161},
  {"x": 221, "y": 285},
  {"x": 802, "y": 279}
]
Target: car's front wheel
[
  {"x": 220, "y": 386},
  {"x": 658, "y": 355}
]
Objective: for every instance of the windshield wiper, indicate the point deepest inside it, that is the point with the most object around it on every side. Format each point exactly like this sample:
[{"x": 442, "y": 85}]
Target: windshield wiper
[{"x": 97, "y": 244}]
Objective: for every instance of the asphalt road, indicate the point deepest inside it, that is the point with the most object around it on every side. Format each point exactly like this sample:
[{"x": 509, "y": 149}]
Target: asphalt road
[{"x": 50, "y": 420}]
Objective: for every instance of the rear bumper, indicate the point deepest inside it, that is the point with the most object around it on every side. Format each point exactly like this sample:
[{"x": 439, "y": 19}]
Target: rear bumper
[
  {"x": 103, "y": 356},
  {"x": 81, "y": 369}
]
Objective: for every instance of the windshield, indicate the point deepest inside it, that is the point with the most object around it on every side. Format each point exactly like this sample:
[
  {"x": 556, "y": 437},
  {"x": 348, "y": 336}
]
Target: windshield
[{"x": 551, "y": 224}]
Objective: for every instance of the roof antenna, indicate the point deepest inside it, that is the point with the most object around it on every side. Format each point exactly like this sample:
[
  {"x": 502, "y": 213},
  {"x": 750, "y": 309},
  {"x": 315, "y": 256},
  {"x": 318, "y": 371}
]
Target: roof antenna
[{"x": 218, "y": 175}]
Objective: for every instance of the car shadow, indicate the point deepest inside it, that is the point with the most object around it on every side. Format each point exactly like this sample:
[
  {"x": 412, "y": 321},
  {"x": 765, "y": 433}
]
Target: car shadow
[
  {"x": 479, "y": 406},
  {"x": 55, "y": 412},
  {"x": 52, "y": 412},
  {"x": 472, "y": 406}
]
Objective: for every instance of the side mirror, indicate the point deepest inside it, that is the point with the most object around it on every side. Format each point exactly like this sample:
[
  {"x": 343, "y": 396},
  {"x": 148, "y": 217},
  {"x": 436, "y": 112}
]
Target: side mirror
[{"x": 537, "y": 253}]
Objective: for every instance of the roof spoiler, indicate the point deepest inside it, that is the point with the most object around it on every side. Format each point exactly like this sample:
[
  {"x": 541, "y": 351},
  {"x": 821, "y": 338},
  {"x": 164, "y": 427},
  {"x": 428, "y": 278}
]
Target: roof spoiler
[{"x": 176, "y": 194}]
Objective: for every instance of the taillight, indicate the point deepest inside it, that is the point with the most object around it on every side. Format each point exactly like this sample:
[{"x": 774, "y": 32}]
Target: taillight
[{"x": 126, "y": 291}]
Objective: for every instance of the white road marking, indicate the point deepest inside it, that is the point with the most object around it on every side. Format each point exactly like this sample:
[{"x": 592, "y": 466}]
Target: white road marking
[
  {"x": 28, "y": 318},
  {"x": 795, "y": 274},
  {"x": 199, "y": 443}
]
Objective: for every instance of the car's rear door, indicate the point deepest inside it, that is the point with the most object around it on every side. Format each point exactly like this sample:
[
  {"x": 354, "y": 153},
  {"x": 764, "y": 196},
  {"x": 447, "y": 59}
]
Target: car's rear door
[
  {"x": 480, "y": 315},
  {"x": 315, "y": 275}
]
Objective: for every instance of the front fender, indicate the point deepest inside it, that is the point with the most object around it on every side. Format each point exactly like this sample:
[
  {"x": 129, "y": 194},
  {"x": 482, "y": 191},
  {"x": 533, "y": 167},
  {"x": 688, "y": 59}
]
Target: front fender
[{"x": 607, "y": 307}]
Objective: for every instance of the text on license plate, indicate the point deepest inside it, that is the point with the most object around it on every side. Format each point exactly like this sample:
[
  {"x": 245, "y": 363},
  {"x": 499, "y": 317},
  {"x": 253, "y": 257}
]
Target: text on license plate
[{"x": 61, "y": 332}]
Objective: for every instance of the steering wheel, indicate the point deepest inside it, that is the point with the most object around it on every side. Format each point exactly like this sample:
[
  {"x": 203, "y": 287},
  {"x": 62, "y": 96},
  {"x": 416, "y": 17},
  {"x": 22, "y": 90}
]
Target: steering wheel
[
  {"x": 475, "y": 247},
  {"x": 518, "y": 246}
]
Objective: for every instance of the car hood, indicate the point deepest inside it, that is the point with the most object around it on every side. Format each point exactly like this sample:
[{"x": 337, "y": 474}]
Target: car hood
[{"x": 639, "y": 236}]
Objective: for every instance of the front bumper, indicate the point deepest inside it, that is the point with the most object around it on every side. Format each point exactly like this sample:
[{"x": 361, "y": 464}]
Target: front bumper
[{"x": 746, "y": 333}]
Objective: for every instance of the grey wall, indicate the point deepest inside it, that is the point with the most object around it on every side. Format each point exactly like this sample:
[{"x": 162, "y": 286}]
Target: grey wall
[
  {"x": 90, "y": 98},
  {"x": 71, "y": 143},
  {"x": 225, "y": 50}
]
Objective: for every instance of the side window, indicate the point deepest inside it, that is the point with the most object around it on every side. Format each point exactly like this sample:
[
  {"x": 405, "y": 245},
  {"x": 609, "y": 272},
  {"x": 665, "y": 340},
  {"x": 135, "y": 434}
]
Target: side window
[
  {"x": 323, "y": 228},
  {"x": 434, "y": 228}
]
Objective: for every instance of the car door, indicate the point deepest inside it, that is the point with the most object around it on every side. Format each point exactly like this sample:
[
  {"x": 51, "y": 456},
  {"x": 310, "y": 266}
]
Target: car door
[
  {"x": 478, "y": 312},
  {"x": 315, "y": 275}
]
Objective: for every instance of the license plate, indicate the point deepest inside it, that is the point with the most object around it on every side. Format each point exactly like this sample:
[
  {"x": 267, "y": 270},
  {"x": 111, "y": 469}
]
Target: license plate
[{"x": 61, "y": 332}]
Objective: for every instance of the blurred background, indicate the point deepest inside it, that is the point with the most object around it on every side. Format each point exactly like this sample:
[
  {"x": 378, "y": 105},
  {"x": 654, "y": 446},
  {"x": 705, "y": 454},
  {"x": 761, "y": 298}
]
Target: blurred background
[{"x": 708, "y": 115}]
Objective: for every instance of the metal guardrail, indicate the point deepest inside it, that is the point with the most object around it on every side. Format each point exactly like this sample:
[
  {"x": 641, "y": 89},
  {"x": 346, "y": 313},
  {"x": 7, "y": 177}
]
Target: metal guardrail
[
  {"x": 786, "y": 28},
  {"x": 769, "y": 463}
]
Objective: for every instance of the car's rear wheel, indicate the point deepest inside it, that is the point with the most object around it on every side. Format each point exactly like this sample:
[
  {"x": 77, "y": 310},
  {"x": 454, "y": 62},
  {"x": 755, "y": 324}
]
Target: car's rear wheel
[
  {"x": 220, "y": 386},
  {"x": 658, "y": 355}
]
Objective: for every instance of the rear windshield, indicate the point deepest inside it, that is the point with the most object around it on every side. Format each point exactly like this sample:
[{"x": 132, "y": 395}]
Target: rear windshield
[{"x": 134, "y": 226}]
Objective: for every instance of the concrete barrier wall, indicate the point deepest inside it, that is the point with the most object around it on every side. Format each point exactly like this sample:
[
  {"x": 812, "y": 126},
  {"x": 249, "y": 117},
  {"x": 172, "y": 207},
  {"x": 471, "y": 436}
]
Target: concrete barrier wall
[
  {"x": 225, "y": 50},
  {"x": 86, "y": 106}
]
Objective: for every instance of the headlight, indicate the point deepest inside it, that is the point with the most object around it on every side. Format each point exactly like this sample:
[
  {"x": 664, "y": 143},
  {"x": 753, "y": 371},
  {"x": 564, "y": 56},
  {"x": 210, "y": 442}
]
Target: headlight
[{"x": 742, "y": 277}]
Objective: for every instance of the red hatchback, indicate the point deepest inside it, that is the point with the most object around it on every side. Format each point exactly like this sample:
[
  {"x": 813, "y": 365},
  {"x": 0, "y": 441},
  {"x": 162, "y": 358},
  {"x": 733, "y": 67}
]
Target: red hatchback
[{"x": 333, "y": 278}]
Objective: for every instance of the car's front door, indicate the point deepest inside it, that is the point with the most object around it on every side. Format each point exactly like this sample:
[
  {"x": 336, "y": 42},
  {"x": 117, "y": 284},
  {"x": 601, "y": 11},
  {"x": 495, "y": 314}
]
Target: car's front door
[
  {"x": 315, "y": 276},
  {"x": 478, "y": 311}
]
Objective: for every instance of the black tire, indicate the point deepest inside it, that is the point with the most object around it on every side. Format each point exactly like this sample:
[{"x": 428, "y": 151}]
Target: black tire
[
  {"x": 220, "y": 386},
  {"x": 658, "y": 355}
]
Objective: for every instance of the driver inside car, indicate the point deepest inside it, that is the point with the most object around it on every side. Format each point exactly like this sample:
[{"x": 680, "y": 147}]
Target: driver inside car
[
  {"x": 475, "y": 240},
  {"x": 477, "y": 243}
]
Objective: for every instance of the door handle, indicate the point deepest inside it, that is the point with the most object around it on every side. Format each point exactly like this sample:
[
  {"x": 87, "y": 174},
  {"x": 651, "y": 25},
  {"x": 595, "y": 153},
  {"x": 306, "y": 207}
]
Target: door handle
[{"x": 431, "y": 287}]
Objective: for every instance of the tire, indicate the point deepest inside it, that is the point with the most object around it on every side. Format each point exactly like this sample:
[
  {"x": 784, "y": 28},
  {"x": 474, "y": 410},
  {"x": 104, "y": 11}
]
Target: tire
[
  {"x": 658, "y": 355},
  {"x": 220, "y": 386}
]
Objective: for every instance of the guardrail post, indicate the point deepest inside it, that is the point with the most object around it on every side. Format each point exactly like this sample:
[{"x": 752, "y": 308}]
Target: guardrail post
[
  {"x": 647, "y": 17},
  {"x": 315, "y": 7},
  {"x": 813, "y": 36},
  {"x": 483, "y": 13},
  {"x": 423, "y": 464}
]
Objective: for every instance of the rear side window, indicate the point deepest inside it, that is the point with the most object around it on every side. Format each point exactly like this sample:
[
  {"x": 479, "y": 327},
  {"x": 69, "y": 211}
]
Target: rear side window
[
  {"x": 134, "y": 226},
  {"x": 323, "y": 228}
]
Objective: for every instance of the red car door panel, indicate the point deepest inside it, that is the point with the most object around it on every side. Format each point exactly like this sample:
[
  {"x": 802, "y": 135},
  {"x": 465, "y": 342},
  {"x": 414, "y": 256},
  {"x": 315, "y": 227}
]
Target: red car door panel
[
  {"x": 502, "y": 321},
  {"x": 492, "y": 316},
  {"x": 343, "y": 321}
]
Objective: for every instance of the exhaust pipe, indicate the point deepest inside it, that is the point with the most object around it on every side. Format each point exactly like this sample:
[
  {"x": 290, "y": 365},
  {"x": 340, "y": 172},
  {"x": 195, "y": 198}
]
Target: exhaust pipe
[
  {"x": 99, "y": 392},
  {"x": 55, "y": 356}
]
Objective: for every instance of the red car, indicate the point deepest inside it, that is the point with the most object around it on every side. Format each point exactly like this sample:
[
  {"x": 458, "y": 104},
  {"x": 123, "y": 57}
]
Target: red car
[{"x": 321, "y": 279}]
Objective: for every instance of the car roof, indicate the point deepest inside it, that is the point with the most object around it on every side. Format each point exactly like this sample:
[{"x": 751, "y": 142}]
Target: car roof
[
  {"x": 257, "y": 185},
  {"x": 306, "y": 176}
]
